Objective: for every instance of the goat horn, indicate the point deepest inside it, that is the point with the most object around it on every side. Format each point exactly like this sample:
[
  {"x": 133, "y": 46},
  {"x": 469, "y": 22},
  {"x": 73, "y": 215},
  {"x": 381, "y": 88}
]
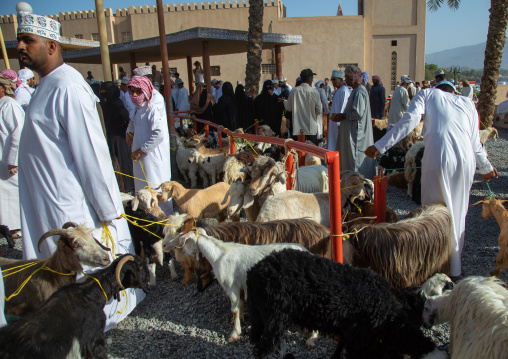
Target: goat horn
[
  {"x": 69, "y": 224},
  {"x": 102, "y": 245},
  {"x": 119, "y": 269},
  {"x": 477, "y": 203},
  {"x": 53, "y": 232}
]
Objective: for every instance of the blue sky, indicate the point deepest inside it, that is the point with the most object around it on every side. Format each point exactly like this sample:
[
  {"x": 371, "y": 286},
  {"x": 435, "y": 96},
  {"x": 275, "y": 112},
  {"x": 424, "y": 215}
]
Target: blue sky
[{"x": 445, "y": 28}]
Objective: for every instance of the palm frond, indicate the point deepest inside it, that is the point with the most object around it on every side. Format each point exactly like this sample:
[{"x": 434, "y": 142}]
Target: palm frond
[{"x": 434, "y": 5}]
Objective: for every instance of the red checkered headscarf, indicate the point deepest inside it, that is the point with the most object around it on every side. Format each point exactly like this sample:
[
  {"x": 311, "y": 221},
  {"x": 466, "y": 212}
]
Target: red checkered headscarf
[
  {"x": 11, "y": 75},
  {"x": 144, "y": 84},
  {"x": 355, "y": 73}
]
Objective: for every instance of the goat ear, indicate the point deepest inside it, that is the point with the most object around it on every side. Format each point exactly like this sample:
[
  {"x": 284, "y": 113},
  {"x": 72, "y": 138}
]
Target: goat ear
[
  {"x": 248, "y": 200},
  {"x": 226, "y": 197},
  {"x": 187, "y": 225},
  {"x": 153, "y": 201},
  {"x": 135, "y": 204},
  {"x": 477, "y": 203}
]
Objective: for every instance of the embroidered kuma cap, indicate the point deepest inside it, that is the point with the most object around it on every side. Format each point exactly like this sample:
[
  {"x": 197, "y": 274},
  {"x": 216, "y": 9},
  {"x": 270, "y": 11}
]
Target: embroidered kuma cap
[
  {"x": 29, "y": 23},
  {"x": 142, "y": 71}
]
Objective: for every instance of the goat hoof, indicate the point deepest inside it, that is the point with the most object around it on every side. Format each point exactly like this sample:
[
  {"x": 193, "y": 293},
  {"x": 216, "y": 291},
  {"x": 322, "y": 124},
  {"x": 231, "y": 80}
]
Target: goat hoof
[{"x": 233, "y": 338}]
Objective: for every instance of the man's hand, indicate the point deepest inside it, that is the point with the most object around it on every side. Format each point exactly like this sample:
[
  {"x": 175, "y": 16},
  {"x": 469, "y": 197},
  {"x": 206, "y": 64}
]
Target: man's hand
[
  {"x": 371, "y": 151},
  {"x": 12, "y": 169},
  {"x": 337, "y": 117},
  {"x": 136, "y": 154},
  {"x": 488, "y": 176},
  {"x": 128, "y": 138}
]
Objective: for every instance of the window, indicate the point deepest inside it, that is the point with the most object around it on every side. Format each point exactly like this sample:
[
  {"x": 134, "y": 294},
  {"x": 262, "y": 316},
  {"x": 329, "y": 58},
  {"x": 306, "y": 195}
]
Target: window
[
  {"x": 95, "y": 36},
  {"x": 268, "y": 69},
  {"x": 342, "y": 67},
  {"x": 78, "y": 36},
  {"x": 172, "y": 70},
  {"x": 394, "y": 70},
  {"x": 214, "y": 70},
  {"x": 126, "y": 36},
  {"x": 394, "y": 42}
]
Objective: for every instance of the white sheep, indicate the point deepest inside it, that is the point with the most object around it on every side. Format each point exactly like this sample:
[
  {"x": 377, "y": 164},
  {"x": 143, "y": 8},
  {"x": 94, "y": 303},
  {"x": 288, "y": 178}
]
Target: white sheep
[
  {"x": 212, "y": 165},
  {"x": 477, "y": 309},
  {"x": 410, "y": 164},
  {"x": 230, "y": 262}
]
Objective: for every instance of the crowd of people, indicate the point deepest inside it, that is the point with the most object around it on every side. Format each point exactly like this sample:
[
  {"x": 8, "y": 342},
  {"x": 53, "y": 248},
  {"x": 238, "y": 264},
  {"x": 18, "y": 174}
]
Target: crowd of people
[{"x": 66, "y": 153}]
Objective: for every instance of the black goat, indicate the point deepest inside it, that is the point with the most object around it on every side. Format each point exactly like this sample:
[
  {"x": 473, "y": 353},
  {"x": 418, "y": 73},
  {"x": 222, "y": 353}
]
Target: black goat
[
  {"x": 316, "y": 293},
  {"x": 394, "y": 158},
  {"x": 377, "y": 133},
  {"x": 416, "y": 194},
  {"x": 5, "y": 231},
  {"x": 70, "y": 324}
]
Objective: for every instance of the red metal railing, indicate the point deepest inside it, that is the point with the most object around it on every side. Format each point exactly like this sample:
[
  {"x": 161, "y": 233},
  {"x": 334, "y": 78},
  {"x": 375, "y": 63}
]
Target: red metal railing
[{"x": 330, "y": 158}]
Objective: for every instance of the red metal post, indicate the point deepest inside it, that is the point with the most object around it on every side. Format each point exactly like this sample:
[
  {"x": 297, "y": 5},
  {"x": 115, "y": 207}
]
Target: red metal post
[
  {"x": 332, "y": 159},
  {"x": 256, "y": 128},
  {"x": 207, "y": 130},
  {"x": 232, "y": 145},
  {"x": 301, "y": 155},
  {"x": 220, "y": 138},
  {"x": 289, "y": 171},
  {"x": 181, "y": 123},
  {"x": 380, "y": 183},
  {"x": 195, "y": 126}
]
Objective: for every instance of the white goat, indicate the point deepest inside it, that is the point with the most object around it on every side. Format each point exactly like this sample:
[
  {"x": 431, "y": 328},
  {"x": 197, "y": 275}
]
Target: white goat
[
  {"x": 409, "y": 170},
  {"x": 230, "y": 262},
  {"x": 312, "y": 179},
  {"x": 187, "y": 168},
  {"x": 213, "y": 165},
  {"x": 477, "y": 309}
]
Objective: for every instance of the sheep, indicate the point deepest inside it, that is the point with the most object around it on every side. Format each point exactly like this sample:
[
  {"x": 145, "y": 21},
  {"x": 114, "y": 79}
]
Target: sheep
[
  {"x": 477, "y": 309},
  {"x": 406, "y": 253},
  {"x": 356, "y": 304},
  {"x": 199, "y": 203},
  {"x": 75, "y": 247},
  {"x": 410, "y": 171},
  {"x": 488, "y": 133},
  {"x": 394, "y": 158},
  {"x": 230, "y": 262},
  {"x": 212, "y": 165},
  {"x": 235, "y": 165},
  {"x": 494, "y": 208},
  {"x": 70, "y": 324}
]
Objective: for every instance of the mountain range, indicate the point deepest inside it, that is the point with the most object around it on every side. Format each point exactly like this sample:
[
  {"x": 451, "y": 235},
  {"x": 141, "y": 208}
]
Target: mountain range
[{"x": 471, "y": 56}]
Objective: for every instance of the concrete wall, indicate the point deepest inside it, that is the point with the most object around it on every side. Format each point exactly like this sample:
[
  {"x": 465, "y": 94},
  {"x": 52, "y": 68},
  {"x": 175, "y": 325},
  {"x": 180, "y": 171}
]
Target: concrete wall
[{"x": 327, "y": 41}]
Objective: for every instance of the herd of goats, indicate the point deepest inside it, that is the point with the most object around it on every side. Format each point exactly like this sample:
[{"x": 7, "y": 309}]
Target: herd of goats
[{"x": 277, "y": 265}]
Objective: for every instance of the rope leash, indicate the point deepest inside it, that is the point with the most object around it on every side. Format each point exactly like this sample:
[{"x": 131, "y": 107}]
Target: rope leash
[
  {"x": 491, "y": 194},
  {"x": 139, "y": 179},
  {"x": 99, "y": 283},
  {"x": 347, "y": 235}
]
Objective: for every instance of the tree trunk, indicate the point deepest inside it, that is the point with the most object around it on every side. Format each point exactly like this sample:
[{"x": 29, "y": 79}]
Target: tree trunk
[
  {"x": 254, "y": 46},
  {"x": 493, "y": 54}
]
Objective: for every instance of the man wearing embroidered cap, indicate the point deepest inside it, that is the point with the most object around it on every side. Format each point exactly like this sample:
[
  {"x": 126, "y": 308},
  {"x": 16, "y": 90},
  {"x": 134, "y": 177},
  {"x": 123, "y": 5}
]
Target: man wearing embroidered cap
[
  {"x": 400, "y": 102},
  {"x": 180, "y": 96},
  {"x": 65, "y": 167},
  {"x": 24, "y": 92},
  {"x": 339, "y": 101},
  {"x": 452, "y": 152}
]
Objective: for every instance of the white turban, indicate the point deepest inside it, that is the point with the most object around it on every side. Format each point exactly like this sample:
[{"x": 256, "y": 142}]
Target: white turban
[{"x": 25, "y": 74}]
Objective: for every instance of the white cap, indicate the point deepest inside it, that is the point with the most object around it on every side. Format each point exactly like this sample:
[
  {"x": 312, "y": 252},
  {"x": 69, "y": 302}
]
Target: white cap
[
  {"x": 338, "y": 74},
  {"x": 143, "y": 71},
  {"x": 125, "y": 80},
  {"x": 439, "y": 72},
  {"x": 25, "y": 74},
  {"x": 29, "y": 23},
  {"x": 213, "y": 82},
  {"x": 405, "y": 79}
]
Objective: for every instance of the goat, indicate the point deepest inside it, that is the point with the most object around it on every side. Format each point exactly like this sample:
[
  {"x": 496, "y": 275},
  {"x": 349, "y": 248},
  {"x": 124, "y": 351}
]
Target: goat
[
  {"x": 212, "y": 165},
  {"x": 235, "y": 164},
  {"x": 198, "y": 142},
  {"x": 416, "y": 192},
  {"x": 316, "y": 293},
  {"x": 70, "y": 324},
  {"x": 264, "y": 173},
  {"x": 230, "y": 262},
  {"x": 494, "y": 208},
  {"x": 477, "y": 309},
  {"x": 265, "y": 130},
  {"x": 147, "y": 240},
  {"x": 199, "y": 203},
  {"x": 75, "y": 247},
  {"x": 147, "y": 200},
  {"x": 368, "y": 211},
  {"x": 406, "y": 253},
  {"x": 187, "y": 168},
  {"x": 4, "y": 231},
  {"x": 312, "y": 179},
  {"x": 488, "y": 133},
  {"x": 397, "y": 179},
  {"x": 394, "y": 158},
  {"x": 410, "y": 171}
]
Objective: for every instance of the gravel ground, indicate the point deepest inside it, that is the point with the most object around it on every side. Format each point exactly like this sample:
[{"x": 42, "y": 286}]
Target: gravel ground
[{"x": 174, "y": 321}]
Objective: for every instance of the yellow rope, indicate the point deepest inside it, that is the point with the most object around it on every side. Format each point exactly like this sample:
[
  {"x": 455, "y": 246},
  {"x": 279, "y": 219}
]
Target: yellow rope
[
  {"x": 23, "y": 267},
  {"x": 137, "y": 225},
  {"x": 123, "y": 174},
  {"x": 347, "y": 235},
  {"x": 123, "y": 294},
  {"x": 99, "y": 283},
  {"x": 23, "y": 284}
]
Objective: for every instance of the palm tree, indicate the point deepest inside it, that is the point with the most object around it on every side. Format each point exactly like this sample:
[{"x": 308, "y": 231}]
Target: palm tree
[
  {"x": 496, "y": 39},
  {"x": 254, "y": 45}
]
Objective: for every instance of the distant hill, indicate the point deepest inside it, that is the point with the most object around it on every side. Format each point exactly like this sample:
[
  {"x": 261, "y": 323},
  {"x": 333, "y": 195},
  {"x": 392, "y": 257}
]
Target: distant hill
[{"x": 471, "y": 56}]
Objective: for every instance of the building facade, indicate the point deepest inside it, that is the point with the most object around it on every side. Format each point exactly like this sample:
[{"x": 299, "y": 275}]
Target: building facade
[{"x": 386, "y": 38}]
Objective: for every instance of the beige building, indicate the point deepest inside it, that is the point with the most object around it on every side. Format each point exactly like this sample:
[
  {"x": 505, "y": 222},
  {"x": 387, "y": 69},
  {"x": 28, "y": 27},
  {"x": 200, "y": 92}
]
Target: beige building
[{"x": 386, "y": 38}]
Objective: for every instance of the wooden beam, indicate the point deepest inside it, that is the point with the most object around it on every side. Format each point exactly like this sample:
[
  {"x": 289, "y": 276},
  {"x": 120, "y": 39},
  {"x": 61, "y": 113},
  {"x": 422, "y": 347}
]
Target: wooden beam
[
  {"x": 133, "y": 62},
  {"x": 103, "y": 39},
  {"x": 278, "y": 62},
  {"x": 206, "y": 66},
  {"x": 190, "y": 75}
]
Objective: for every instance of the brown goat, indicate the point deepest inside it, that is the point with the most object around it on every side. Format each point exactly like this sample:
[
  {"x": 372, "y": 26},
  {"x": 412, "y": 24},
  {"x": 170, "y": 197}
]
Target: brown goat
[
  {"x": 75, "y": 246},
  {"x": 494, "y": 208},
  {"x": 406, "y": 253},
  {"x": 368, "y": 211},
  {"x": 198, "y": 142}
]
